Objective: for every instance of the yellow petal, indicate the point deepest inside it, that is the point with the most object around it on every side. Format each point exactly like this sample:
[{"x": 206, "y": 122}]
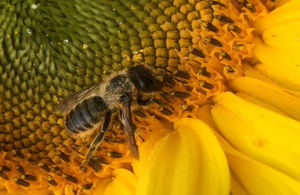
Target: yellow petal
[
  {"x": 256, "y": 178},
  {"x": 285, "y": 36},
  {"x": 204, "y": 114},
  {"x": 263, "y": 134},
  {"x": 186, "y": 162},
  {"x": 250, "y": 71},
  {"x": 282, "y": 2},
  {"x": 283, "y": 14},
  {"x": 249, "y": 176},
  {"x": 101, "y": 186},
  {"x": 270, "y": 94},
  {"x": 123, "y": 182},
  {"x": 236, "y": 188},
  {"x": 146, "y": 149},
  {"x": 258, "y": 102},
  {"x": 280, "y": 65}
]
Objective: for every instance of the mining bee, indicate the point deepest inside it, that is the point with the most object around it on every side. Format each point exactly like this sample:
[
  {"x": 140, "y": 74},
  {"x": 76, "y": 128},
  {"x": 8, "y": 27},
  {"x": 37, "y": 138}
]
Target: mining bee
[{"x": 115, "y": 96}]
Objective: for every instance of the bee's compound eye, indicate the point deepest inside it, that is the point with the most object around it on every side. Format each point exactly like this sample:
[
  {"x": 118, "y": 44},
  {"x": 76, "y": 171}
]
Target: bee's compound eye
[{"x": 144, "y": 79}]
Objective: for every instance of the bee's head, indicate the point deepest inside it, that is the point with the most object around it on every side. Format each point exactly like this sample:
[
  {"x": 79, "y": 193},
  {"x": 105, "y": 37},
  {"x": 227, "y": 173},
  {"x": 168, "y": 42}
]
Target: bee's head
[{"x": 144, "y": 79}]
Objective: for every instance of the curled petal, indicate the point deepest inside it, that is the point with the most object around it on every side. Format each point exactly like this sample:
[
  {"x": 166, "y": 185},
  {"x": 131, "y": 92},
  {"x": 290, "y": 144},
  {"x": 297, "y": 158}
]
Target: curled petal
[
  {"x": 236, "y": 187},
  {"x": 123, "y": 183},
  {"x": 269, "y": 94},
  {"x": 101, "y": 186},
  {"x": 188, "y": 161},
  {"x": 258, "y": 178},
  {"x": 249, "y": 176},
  {"x": 277, "y": 51},
  {"x": 263, "y": 134},
  {"x": 283, "y": 14},
  {"x": 280, "y": 65}
]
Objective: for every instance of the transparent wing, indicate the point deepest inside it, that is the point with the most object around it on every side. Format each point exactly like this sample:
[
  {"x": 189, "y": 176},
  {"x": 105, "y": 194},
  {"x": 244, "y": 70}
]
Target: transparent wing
[
  {"x": 70, "y": 101},
  {"x": 128, "y": 127}
]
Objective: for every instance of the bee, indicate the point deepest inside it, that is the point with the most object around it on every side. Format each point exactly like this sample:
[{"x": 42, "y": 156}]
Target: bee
[{"x": 85, "y": 110}]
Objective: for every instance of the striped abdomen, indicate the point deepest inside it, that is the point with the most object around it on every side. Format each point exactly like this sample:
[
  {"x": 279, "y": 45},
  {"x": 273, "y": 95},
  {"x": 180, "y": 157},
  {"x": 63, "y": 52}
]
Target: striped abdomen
[{"x": 86, "y": 114}]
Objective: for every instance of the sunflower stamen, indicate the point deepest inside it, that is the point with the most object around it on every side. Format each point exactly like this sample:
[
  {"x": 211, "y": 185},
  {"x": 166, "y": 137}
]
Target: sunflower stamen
[
  {"x": 247, "y": 4},
  {"x": 223, "y": 18},
  {"x": 217, "y": 3},
  {"x": 188, "y": 108},
  {"x": 209, "y": 26},
  {"x": 182, "y": 74},
  {"x": 100, "y": 160},
  {"x": 63, "y": 156},
  {"x": 87, "y": 186},
  {"x": 139, "y": 113},
  {"x": 28, "y": 177},
  {"x": 230, "y": 69},
  {"x": 20, "y": 169},
  {"x": 180, "y": 94},
  {"x": 224, "y": 55},
  {"x": 21, "y": 182},
  {"x": 234, "y": 28},
  {"x": 206, "y": 85},
  {"x": 113, "y": 140},
  {"x": 197, "y": 52},
  {"x": 51, "y": 180},
  {"x": 44, "y": 167},
  {"x": 70, "y": 178},
  {"x": 213, "y": 41},
  {"x": 17, "y": 153},
  {"x": 115, "y": 154},
  {"x": 56, "y": 170},
  {"x": 238, "y": 46},
  {"x": 165, "y": 111},
  {"x": 204, "y": 72},
  {"x": 4, "y": 168},
  {"x": 251, "y": 7},
  {"x": 96, "y": 166},
  {"x": 3, "y": 175}
]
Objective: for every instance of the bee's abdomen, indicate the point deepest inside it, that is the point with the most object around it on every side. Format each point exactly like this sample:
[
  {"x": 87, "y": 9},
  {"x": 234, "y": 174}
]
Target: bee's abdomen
[{"x": 86, "y": 114}]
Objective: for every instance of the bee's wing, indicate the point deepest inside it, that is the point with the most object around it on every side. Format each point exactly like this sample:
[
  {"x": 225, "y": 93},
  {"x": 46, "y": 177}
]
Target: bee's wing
[
  {"x": 70, "y": 101},
  {"x": 128, "y": 126}
]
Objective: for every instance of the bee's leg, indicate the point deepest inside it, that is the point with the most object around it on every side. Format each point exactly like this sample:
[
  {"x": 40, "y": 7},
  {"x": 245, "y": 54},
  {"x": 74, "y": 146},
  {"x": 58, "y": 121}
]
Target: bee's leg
[{"x": 98, "y": 139}]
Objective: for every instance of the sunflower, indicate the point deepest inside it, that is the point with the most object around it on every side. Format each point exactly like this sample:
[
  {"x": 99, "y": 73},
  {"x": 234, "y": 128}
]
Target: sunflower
[{"x": 231, "y": 121}]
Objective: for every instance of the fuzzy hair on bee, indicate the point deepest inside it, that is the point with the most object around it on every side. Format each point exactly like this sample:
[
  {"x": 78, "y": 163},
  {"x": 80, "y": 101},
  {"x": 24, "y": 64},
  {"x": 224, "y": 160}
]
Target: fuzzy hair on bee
[{"x": 87, "y": 110}]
